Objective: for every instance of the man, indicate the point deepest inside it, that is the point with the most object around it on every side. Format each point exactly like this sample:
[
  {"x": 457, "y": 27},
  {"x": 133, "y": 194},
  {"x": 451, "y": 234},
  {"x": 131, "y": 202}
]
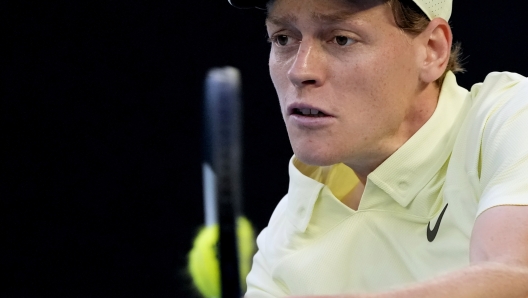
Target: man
[{"x": 403, "y": 184}]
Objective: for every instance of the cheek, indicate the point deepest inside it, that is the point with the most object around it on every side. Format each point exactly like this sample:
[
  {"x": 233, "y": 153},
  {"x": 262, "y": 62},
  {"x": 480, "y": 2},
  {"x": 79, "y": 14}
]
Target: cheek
[
  {"x": 279, "y": 76},
  {"x": 381, "y": 74},
  {"x": 403, "y": 64},
  {"x": 360, "y": 81},
  {"x": 278, "y": 71},
  {"x": 274, "y": 74}
]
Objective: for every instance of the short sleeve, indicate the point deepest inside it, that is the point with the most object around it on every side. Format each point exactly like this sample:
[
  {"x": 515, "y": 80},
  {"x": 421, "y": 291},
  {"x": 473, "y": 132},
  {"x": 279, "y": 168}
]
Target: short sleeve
[{"x": 504, "y": 152}]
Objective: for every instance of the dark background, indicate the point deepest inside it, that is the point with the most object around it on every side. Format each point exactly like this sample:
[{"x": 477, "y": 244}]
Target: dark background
[{"x": 101, "y": 190}]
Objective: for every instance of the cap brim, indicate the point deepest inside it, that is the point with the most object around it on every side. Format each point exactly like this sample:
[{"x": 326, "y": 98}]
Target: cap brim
[{"x": 249, "y": 3}]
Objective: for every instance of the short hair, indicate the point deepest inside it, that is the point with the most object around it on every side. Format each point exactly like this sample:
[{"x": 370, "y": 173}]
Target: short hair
[{"x": 412, "y": 20}]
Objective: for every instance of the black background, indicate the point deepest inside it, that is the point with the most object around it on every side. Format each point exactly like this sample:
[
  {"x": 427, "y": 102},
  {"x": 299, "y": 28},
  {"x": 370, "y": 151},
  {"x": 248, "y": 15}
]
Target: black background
[{"x": 101, "y": 108}]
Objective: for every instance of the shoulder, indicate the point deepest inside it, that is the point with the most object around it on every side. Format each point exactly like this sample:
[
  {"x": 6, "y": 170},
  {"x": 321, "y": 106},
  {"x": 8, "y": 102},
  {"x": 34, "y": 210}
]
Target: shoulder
[
  {"x": 497, "y": 84},
  {"x": 501, "y": 96},
  {"x": 500, "y": 110}
]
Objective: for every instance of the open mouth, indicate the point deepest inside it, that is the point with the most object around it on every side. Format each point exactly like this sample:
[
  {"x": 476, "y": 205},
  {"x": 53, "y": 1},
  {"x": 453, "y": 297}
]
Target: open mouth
[{"x": 309, "y": 112}]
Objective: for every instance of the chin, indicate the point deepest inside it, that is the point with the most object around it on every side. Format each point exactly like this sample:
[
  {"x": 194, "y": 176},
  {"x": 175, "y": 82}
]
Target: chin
[
  {"x": 314, "y": 158},
  {"x": 315, "y": 151}
]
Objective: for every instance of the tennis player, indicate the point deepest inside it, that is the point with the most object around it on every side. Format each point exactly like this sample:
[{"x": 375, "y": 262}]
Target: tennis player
[{"x": 403, "y": 184}]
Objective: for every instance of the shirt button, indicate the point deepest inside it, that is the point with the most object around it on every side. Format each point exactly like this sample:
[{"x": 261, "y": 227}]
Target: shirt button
[
  {"x": 301, "y": 211},
  {"x": 403, "y": 185}
]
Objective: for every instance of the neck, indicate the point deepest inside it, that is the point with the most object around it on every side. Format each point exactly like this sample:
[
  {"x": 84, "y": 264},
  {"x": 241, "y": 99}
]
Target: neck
[{"x": 419, "y": 113}]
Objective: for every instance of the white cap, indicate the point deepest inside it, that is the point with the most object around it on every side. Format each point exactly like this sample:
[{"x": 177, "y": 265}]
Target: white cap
[
  {"x": 432, "y": 8},
  {"x": 436, "y": 8}
]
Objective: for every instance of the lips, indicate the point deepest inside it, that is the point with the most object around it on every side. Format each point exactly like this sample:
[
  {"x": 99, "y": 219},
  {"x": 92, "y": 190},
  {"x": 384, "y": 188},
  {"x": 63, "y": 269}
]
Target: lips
[
  {"x": 306, "y": 110},
  {"x": 309, "y": 112},
  {"x": 309, "y": 117}
]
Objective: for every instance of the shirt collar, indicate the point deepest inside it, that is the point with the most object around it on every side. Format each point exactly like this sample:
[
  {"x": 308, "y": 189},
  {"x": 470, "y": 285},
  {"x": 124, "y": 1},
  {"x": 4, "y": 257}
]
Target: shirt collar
[
  {"x": 403, "y": 174},
  {"x": 303, "y": 191},
  {"x": 407, "y": 170}
]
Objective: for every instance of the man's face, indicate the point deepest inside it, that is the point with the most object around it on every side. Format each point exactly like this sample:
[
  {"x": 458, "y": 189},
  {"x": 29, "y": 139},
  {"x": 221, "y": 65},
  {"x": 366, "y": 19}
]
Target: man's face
[{"x": 348, "y": 62}]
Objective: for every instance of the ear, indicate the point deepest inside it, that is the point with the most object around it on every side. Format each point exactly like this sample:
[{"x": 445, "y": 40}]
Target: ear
[{"x": 437, "y": 39}]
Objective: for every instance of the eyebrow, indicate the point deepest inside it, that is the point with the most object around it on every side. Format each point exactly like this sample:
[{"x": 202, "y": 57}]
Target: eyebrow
[{"x": 328, "y": 18}]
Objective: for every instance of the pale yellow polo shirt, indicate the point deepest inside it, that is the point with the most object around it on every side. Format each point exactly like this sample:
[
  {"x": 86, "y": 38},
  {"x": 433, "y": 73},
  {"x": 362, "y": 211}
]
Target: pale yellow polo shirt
[{"x": 472, "y": 154}]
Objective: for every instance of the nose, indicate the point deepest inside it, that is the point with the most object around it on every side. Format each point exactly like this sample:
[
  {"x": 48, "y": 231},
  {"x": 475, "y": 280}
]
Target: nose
[{"x": 308, "y": 67}]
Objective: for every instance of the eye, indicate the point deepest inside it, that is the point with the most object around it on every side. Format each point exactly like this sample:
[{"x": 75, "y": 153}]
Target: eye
[
  {"x": 281, "y": 40},
  {"x": 343, "y": 40}
]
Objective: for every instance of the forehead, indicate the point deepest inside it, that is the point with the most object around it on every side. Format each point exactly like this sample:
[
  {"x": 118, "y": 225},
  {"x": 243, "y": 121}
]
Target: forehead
[{"x": 321, "y": 11}]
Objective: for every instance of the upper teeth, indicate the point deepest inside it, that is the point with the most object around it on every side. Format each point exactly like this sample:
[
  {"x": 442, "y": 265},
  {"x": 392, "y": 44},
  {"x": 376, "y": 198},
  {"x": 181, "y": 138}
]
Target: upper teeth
[{"x": 309, "y": 111}]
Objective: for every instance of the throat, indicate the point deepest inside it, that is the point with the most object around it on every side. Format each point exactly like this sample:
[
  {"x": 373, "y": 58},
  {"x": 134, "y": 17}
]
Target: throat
[{"x": 353, "y": 198}]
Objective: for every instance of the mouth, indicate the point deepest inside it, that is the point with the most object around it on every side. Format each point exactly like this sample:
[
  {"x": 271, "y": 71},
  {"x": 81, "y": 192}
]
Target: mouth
[
  {"x": 308, "y": 112},
  {"x": 309, "y": 117}
]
